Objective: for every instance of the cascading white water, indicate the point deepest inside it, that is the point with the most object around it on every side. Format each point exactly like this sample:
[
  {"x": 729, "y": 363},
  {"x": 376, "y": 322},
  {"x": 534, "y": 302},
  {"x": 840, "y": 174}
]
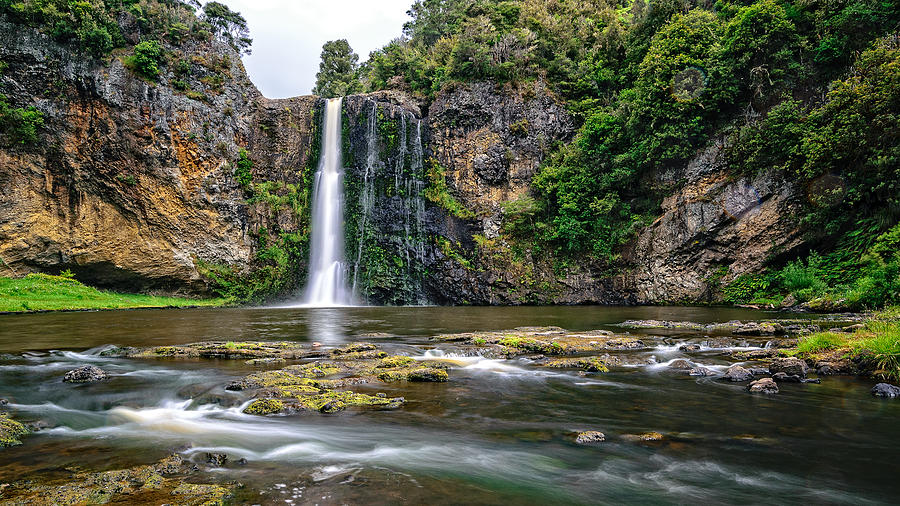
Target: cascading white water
[{"x": 327, "y": 282}]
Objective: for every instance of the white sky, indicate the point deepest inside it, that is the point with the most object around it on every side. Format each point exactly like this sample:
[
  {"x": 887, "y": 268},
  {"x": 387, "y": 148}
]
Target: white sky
[{"x": 288, "y": 36}]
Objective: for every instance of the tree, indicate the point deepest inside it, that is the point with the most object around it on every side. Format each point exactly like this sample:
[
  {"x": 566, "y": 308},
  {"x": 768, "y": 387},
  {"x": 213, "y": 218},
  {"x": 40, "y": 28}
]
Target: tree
[
  {"x": 229, "y": 25},
  {"x": 338, "y": 71}
]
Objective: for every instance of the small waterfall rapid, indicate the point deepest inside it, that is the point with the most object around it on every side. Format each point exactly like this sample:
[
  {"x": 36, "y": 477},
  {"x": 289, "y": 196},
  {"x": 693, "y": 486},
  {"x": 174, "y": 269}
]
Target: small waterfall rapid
[{"x": 327, "y": 279}]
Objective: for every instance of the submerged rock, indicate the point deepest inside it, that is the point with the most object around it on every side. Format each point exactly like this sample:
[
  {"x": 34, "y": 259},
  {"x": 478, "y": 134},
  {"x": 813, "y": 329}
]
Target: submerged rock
[
  {"x": 764, "y": 386},
  {"x": 590, "y": 437},
  {"x": 737, "y": 373},
  {"x": 886, "y": 390},
  {"x": 790, "y": 366},
  {"x": 646, "y": 436},
  {"x": 85, "y": 374},
  {"x": 701, "y": 371}
]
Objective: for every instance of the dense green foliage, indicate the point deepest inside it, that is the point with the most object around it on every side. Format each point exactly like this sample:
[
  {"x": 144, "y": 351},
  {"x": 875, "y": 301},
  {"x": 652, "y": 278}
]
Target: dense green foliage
[
  {"x": 338, "y": 70},
  {"x": 146, "y": 59},
  {"x": 100, "y": 26},
  {"x": 808, "y": 89},
  {"x": 43, "y": 292},
  {"x": 19, "y": 126}
]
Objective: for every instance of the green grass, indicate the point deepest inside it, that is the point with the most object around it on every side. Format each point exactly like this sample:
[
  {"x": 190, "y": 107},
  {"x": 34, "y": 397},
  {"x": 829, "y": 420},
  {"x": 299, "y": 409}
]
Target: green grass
[
  {"x": 821, "y": 341},
  {"x": 43, "y": 292},
  {"x": 882, "y": 339}
]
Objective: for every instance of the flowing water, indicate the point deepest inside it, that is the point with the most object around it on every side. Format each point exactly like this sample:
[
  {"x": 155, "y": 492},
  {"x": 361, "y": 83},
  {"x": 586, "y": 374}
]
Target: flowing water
[
  {"x": 327, "y": 270},
  {"x": 500, "y": 432}
]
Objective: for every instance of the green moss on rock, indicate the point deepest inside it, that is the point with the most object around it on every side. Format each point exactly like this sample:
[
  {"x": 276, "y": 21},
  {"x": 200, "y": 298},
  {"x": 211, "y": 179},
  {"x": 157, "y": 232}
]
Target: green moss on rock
[
  {"x": 264, "y": 407},
  {"x": 10, "y": 431}
]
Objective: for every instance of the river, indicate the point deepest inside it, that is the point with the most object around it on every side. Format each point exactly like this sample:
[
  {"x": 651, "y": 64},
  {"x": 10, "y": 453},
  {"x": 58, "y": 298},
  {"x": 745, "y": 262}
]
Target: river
[{"x": 499, "y": 432}]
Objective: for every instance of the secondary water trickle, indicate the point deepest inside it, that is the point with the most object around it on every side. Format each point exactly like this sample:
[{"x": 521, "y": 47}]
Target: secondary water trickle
[{"x": 327, "y": 269}]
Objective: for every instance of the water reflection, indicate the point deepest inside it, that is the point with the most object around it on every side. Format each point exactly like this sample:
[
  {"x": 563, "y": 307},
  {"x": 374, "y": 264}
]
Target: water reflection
[{"x": 326, "y": 325}]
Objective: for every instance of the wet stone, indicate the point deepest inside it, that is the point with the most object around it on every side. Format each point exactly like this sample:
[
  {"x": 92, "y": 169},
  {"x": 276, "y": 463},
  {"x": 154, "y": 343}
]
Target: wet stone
[
  {"x": 764, "y": 386},
  {"x": 790, "y": 366},
  {"x": 690, "y": 347},
  {"x": 737, "y": 373},
  {"x": 216, "y": 459},
  {"x": 783, "y": 377},
  {"x": 590, "y": 437},
  {"x": 886, "y": 390},
  {"x": 85, "y": 374}
]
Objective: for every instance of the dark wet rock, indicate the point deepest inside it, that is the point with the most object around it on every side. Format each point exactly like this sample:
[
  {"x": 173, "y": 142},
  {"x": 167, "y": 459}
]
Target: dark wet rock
[
  {"x": 242, "y": 461},
  {"x": 791, "y": 366},
  {"x": 624, "y": 344},
  {"x": 163, "y": 482},
  {"x": 755, "y": 354},
  {"x": 811, "y": 380},
  {"x": 886, "y": 390},
  {"x": 758, "y": 329},
  {"x": 216, "y": 459},
  {"x": 737, "y": 373},
  {"x": 689, "y": 347},
  {"x": 758, "y": 371},
  {"x": 764, "y": 386},
  {"x": 701, "y": 371},
  {"x": 4, "y": 402},
  {"x": 783, "y": 377},
  {"x": 265, "y": 361},
  {"x": 85, "y": 374},
  {"x": 841, "y": 366},
  {"x": 590, "y": 437},
  {"x": 681, "y": 364}
]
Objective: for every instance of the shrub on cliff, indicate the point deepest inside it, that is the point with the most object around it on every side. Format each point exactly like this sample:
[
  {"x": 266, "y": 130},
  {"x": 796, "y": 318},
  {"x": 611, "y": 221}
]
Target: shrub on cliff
[
  {"x": 146, "y": 59},
  {"x": 19, "y": 126}
]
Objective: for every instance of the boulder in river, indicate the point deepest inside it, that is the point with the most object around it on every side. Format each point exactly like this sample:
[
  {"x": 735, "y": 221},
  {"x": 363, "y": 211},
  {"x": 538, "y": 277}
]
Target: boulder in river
[
  {"x": 590, "y": 437},
  {"x": 216, "y": 459},
  {"x": 783, "y": 377},
  {"x": 763, "y": 386},
  {"x": 10, "y": 431},
  {"x": 681, "y": 364},
  {"x": 737, "y": 373},
  {"x": 701, "y": 371},
  {"x": 790, "y": 366},
  {"x": 85, "y": 374},
  {"x": 689, "y": 347},
  {"x": 886, "y": 390}
]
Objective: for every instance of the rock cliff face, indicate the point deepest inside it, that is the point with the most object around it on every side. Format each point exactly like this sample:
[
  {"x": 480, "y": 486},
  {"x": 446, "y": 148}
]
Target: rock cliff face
[
  {"x": 132, "y": 182},
  {"x": 714, "y": 228},
  {"x": 136, "y": 185}
]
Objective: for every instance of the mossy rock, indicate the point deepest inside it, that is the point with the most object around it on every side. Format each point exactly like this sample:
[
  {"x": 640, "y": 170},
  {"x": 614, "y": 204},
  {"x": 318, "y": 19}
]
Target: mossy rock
[
  {"x": 394, "y": 361},
  {"x": 332, "y": 402},
  {"x": 243, "y": 350},
  {"x": 589, "y": 364},
  {"x": 264, "y": 407},
  {"x": 10, "y": 431},
  {"x": 153, "y": 484},
  {"x": 432, "y": 374}
]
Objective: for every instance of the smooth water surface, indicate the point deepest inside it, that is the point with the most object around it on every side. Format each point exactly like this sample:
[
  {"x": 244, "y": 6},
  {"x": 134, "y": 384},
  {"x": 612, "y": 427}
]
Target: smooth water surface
[{"x": 500, "y": 432}]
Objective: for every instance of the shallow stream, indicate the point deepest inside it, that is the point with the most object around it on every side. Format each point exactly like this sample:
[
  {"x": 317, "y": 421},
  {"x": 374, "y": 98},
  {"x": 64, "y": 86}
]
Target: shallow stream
[{"x": 501, "y": 431}]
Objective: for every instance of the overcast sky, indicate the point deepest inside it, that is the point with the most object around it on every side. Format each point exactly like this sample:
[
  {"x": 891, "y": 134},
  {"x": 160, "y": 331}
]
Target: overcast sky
[{"x": 288, "y": 36}]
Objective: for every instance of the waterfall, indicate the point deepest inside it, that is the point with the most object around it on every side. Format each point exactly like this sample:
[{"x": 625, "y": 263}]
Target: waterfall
[{"x": 327, "y": 284}]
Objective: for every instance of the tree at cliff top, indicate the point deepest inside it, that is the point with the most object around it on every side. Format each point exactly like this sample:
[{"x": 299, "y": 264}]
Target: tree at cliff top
[
  {"x": 338, "y": 71},
  {"x": 229, "y": 25}
]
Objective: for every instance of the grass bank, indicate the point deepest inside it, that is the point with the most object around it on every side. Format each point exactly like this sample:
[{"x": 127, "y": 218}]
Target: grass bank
[
  {"x": 43, "y": 292},
  {"x": 875, "y": 345}
]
